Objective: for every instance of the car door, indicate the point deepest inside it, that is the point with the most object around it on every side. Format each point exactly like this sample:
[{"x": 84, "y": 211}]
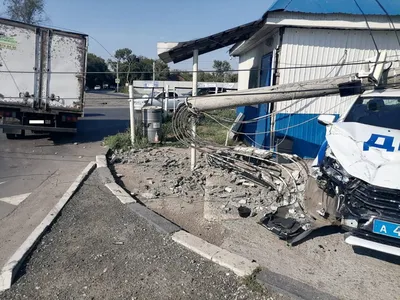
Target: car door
[{"x": 173, "y": 101}]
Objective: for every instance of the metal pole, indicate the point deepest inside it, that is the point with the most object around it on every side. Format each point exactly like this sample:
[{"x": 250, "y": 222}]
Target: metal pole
[
  {"x": 132, "y": 114},
  {"x": 175, "y": 99},
  {"x": 154, "y": 71},
  {"x": 193, "y": 160},
  {"x": 166, "y": 100},
  {"x": 117, "y": 76}
]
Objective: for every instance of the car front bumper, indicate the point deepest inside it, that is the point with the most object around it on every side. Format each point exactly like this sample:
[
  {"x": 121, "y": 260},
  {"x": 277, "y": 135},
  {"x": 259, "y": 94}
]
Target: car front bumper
[{"x": 356, "y": 240}]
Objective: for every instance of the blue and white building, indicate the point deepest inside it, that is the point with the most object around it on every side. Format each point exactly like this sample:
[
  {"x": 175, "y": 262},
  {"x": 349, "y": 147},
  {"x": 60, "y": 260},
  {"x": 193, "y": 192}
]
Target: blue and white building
[{"x": 290, "y": 43}]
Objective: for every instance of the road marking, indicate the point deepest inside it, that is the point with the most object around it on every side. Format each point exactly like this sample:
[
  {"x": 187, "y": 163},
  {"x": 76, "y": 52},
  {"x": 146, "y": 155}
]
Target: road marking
[
  {"x": 2, "y": 182},
  {"x": 15, "y": 200}
]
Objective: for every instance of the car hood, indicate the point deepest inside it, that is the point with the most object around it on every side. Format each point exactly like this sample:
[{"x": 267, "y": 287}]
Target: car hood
[{"x": 367, "y": 152}]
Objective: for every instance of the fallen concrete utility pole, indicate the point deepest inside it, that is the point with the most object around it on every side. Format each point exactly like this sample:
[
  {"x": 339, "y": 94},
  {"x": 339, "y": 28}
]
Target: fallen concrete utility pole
[{"x": 291, "y": 91}]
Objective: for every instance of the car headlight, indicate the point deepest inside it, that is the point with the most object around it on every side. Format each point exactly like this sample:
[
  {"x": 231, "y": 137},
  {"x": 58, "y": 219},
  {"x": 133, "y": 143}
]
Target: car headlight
[{"x": 335, "y": 170}]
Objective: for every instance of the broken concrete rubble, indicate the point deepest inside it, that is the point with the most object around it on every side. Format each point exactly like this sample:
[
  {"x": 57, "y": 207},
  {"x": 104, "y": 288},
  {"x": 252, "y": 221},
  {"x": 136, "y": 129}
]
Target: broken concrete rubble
[{"x": 225, "y": 180}]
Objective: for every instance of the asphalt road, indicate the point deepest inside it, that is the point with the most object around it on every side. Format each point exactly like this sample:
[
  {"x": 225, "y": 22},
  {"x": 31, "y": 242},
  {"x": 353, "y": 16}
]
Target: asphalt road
[
  {"x": 98, "y": 249},
  {"x": 36, "y": 171}
]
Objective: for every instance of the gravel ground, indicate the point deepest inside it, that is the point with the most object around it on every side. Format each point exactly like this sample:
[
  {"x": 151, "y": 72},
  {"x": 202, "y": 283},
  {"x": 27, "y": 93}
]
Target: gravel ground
[{"x": 97, "y": 249}]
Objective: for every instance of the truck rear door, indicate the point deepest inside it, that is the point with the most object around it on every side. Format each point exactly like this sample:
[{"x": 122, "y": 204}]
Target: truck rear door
[{"x": 17, "y": 63}]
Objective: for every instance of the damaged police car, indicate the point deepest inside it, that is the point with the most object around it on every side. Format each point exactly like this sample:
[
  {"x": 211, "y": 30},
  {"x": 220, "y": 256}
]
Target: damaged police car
[{"x": 355, "y": 179}]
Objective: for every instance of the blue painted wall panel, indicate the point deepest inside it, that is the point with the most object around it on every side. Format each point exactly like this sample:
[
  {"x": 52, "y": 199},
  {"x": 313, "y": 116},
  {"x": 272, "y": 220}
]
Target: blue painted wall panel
[
  {"x": 307, "y": 138},
  {"x": 249, "y": 129}
]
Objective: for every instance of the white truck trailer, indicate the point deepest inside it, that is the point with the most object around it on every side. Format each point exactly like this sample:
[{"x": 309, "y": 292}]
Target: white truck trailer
[{"x": 42, "y": 78}]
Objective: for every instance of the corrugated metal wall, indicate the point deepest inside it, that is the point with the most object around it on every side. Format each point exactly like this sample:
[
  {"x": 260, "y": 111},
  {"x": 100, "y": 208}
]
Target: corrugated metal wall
[{"x": 305, "y": 47}]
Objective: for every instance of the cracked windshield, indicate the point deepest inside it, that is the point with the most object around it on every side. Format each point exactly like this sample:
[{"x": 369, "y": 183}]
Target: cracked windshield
[{"x": 200, "y": 150}]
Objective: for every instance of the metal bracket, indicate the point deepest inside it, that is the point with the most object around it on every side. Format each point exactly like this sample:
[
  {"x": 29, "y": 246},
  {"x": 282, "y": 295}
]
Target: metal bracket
[{"x": 374, "y": 74}]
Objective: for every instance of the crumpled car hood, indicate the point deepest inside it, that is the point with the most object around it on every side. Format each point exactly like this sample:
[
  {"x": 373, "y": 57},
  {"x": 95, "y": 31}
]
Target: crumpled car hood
[{"x": 367, "y": 152}]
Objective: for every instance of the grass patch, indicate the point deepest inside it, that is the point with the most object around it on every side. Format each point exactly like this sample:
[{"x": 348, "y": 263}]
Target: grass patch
[
  {"x": 207, "y": 129},
  {"x": 212, "y": 131},
  {"x": 252, "y": 283},
  {"x": 120, "y": 141}
]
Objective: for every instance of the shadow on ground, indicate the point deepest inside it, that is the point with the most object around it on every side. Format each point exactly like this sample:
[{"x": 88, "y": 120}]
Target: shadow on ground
[{"x": 93, "y": 131}]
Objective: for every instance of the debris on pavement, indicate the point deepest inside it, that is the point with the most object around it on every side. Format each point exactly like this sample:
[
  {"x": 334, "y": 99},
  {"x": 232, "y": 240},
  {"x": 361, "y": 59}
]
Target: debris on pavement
[
  {"x": 232, "y": 178},
  {"x": 244, "y": 211},
  {"x": 279, "y": 223}
]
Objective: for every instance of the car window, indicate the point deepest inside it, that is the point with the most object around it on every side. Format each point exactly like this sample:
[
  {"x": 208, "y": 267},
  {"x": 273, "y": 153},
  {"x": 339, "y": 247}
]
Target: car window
[
  {"x": 202, "y": 92},
  {"x": 376, "y": 111},
  {"x": 160, "y": 96},
  {"x": 172, "y": 95}
]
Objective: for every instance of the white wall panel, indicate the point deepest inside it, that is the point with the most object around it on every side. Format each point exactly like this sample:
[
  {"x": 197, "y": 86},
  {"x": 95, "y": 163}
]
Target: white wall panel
[{"x": 307, "y": 47}]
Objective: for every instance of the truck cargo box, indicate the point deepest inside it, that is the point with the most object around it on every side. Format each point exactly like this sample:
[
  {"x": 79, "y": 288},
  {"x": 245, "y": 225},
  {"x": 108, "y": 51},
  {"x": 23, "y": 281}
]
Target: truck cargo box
[{"x": 41, "y": 69}]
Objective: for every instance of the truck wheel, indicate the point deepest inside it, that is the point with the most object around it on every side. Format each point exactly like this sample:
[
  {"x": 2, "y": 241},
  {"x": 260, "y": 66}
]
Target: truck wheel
[{"x": 11, "y": 136}]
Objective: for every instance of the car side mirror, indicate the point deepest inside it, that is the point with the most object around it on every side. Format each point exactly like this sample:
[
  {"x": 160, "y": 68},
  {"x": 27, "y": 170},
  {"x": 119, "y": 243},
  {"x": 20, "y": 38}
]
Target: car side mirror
[{"x": 326, "y": 119}]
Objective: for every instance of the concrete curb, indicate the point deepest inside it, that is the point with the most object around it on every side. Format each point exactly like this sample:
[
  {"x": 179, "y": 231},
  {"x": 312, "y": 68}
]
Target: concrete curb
[
  {"x": 239, "y": 265},
  {"x": 101, "y": 161},
  {"x": 12, "y": 266},
  {"x": 120, "y": 193},
  {"x": 290, "y": 287},
  {"x": 103, "y": 170},
  {"x": 159, "y": 222}
]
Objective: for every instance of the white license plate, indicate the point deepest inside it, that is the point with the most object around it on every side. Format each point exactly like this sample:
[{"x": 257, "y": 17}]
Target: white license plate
[{"x": 35, "y": 122}]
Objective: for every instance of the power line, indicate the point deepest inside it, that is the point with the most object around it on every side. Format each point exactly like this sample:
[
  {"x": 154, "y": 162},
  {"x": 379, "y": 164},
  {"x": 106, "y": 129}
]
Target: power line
[
  {"x": 369, "y": 28},
  {"x": 354, "y": 63},
  {"x": 390, "y": 20}
]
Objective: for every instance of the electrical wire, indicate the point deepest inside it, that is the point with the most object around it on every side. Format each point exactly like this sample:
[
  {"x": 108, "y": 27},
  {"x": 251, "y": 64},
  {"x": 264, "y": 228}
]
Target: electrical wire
[
  {"x": 342, "y": 59},
  {"x": 290, "y": 127},
  {"x": 354, "y": 63},
  {"x": 369, "y": 28},
  {"x": 390, "y": 20}
]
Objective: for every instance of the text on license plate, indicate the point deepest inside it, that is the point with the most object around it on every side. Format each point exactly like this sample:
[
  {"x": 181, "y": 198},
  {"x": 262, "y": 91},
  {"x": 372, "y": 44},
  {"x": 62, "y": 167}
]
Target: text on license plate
[{"x": 386, "y": 228}]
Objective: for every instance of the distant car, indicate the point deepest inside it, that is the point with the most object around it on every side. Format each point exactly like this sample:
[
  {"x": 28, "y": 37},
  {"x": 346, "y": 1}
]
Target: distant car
[
  {"x": 174, "y": 101},
  {"x": 206, "y": 91},
  {"x": 97, "y": 87}
]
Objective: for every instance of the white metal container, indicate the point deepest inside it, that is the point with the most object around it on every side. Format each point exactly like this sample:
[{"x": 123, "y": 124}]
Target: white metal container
[{"x": 41, "y": 69}]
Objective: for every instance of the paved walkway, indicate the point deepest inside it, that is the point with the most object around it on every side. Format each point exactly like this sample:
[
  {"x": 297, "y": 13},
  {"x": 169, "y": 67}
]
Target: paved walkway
[{"x": 97, "y": 249}]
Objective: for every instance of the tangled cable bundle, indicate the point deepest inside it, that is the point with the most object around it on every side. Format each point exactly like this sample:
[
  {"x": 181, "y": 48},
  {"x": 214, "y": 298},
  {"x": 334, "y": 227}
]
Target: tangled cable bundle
[{"x": 256, "y": 165}]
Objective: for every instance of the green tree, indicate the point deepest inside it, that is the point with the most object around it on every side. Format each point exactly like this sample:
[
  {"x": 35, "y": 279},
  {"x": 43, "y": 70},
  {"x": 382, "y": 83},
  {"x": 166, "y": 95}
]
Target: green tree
[
  {"x": 27, "y": 11},
  {"x": 222, "y": 70},
  {"x": 132, "y": 67},
  {"x": 180, "y": 75},
  {"x": 206, "y": 77},
  {"x": 162, "y": 70},
  {"x": 97, "y": 64}
]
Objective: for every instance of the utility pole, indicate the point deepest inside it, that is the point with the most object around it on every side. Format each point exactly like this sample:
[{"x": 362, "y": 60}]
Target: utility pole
[
  {"x": 193, "y": 160},
  {"x": 132, "y": 114},
  {"x": 286, "y": 92},
  {"x": 117, "y": 81}
]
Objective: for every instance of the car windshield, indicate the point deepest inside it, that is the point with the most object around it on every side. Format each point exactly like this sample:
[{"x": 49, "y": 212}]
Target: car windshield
[{"x": 376, "y": 111}]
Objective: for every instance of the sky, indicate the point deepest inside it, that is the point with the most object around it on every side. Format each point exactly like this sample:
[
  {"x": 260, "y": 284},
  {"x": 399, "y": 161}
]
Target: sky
[{"x": 140, "y": 24}]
